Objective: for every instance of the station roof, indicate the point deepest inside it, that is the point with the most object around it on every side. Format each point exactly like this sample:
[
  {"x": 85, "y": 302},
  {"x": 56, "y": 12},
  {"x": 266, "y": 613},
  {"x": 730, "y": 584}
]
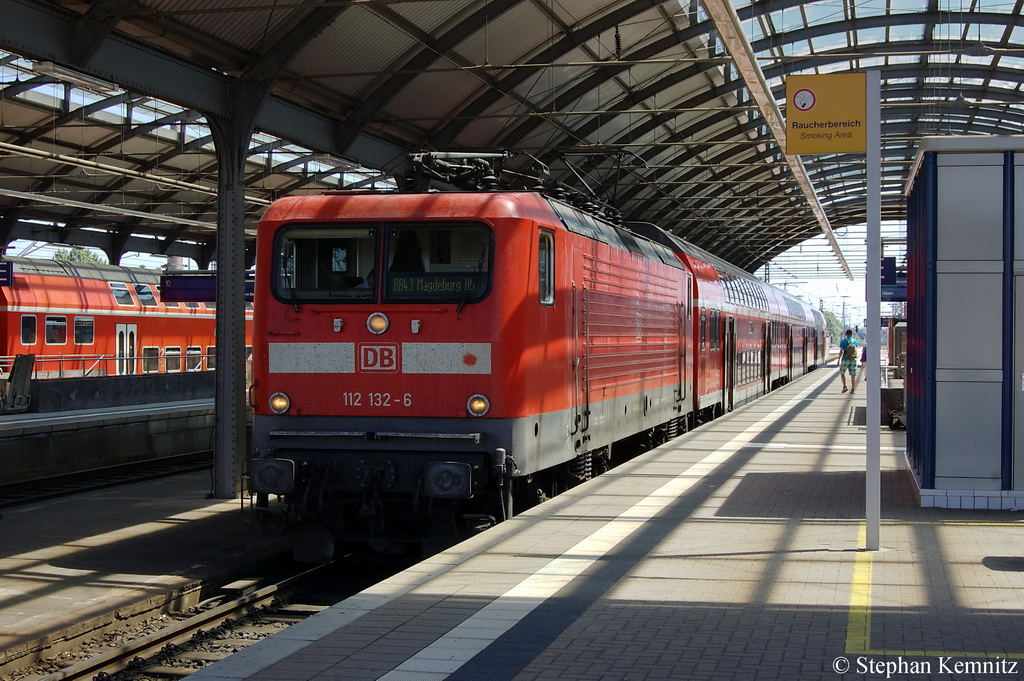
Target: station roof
[{"x": 666, "y": 107}]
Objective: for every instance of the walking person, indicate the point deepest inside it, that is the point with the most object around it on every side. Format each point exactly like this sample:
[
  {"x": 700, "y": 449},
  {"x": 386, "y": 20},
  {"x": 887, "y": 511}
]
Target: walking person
[{"x": 848, "y": 360}]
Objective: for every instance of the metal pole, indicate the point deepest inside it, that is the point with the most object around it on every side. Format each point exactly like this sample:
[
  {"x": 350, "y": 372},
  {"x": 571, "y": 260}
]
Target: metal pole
[{"x": 873, "y": 324}]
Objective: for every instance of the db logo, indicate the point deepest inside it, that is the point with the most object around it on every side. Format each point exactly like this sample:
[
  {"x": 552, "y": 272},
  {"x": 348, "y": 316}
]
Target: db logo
[{"x": 378, "y": 358}]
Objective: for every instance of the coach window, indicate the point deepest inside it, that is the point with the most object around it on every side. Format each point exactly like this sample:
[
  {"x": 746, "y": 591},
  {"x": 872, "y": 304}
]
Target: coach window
[
  {"x": 193, "y": 358},
  {"x": 703, "y": 328},
  {"x": 211, "y": 357},
  {"x": 172, "y": 359},
  {"x": 438, "y": 264},
  {"x": 56, "y": 332},
  {"x": 28, "y": 329},
  {"x": 546, "y": 268},
  {"x": 121, "y": 293},
  {"x": 145, "y": 294},
  {"x": 85, "y": 333},
  {"x": 150, "y": 360}
]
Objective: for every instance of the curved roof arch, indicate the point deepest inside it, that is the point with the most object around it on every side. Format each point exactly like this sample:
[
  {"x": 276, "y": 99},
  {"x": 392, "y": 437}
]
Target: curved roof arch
[{"x": 666, "y": 106}]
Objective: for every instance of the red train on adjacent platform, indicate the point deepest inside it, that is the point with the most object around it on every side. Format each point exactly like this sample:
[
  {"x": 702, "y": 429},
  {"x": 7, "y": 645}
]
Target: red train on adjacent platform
[
  {"x": 425, "y": 362},
  {"x": 93, "y": 319}
]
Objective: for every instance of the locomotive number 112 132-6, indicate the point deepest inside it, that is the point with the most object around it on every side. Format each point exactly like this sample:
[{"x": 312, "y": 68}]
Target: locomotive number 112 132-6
[{"x": 376, "y": 400}]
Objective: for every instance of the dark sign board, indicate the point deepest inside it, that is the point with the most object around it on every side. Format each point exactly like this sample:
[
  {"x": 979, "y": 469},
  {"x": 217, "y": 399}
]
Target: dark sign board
[
  {"x": 6, "y": 273},
  {"x": 197, "y": 287},
  {"x": 889, "y": 272},
  {"x": 188, "y": 288},
  {"x": 896, "y": 292}
]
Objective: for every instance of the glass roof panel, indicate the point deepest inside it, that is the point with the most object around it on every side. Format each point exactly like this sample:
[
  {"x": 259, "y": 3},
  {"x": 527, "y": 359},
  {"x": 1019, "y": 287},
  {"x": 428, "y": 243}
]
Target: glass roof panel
[
  {"x": 822, "y": 13},
  {"x": 754, "y": 31},
  {"x": 837, "y": 67},
  {"x": 989, "y": 33},
  {"x": 787, "y": 20},
  {"x": 874, "y": 62},
  {"x": 870, "y": 36},
  {"x": 831, "y": 42},
  {"x": 904, "y": 59},
  {"x": 909, "y": 32},
  {"x": 953, "y": 32},
  {"x": 908, "y": 6}
]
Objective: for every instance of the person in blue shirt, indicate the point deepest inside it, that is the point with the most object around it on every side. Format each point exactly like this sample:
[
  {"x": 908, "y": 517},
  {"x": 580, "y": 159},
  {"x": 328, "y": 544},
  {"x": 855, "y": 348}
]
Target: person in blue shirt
[{"x": 848, "y": 360}]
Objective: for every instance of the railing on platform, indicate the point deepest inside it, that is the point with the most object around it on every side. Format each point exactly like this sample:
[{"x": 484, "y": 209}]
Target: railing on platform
[{"x": 68, "y": 366}]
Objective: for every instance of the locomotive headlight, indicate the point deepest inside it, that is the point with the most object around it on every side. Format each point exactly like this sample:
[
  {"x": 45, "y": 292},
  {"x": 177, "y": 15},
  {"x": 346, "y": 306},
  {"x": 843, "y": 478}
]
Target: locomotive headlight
[
  {"x": 478, "y": 405},
  {"x": 279, "y": 403},
  {"x": 377, "y": 323}
]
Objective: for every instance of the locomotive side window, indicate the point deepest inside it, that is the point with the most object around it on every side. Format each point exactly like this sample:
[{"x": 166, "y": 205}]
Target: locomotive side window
[
  {"x": 546, "y": 268},
  {"x": 211, "y": 357},
  {"x": 85, "y": 332},
  {"x": 56, "y": 330},
  {"x": 121, "y": 293},
  {"x": 145, "y": 294},
  {"x": 28, "y": 329},
  {"x": 325, "y": 263},
  {"x": 437, "y": 263},
  {"x": 150, "y": 360}
]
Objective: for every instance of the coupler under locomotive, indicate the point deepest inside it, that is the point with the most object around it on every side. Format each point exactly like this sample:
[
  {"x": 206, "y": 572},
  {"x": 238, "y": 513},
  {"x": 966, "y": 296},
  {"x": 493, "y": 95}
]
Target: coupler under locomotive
[{"x": 395, "y": 503}]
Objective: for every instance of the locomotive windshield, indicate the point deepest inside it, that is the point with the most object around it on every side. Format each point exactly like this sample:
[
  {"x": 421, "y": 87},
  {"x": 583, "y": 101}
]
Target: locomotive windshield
[
  {"x": 325, "y": 263},
  {"x": 437, "y": 263},
  {"x": 428, "y": 263}
]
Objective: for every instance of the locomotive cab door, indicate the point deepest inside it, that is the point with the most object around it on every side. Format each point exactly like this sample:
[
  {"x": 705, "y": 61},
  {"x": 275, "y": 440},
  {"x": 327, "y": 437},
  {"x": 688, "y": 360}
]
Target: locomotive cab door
[
  {"x": 581, "y": 397},
  {"x": 126, "y": 340}
]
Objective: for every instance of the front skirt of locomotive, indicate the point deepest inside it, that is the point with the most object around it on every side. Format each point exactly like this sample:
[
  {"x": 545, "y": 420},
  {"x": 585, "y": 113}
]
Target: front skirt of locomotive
[{"x": 387, "y": 483}]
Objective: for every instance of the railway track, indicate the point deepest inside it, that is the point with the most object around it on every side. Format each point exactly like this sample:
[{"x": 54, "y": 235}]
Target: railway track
[
  {"x": 175, "y": 646},
  {"x": 212, "y": 631},
  {"x": 29, "y": 491}
]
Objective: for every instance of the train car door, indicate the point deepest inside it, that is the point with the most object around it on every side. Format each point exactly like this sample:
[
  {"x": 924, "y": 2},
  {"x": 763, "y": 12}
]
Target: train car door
[
  {"x": 127, "y": 336},
  {"x": 766, "y": 360},
  {"x": 729, "y": 362},
  {"x": 788, "y": 335},
  {"x": 685, "y": 319}
]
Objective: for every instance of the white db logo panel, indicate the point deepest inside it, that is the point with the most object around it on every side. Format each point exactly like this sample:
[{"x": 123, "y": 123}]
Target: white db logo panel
[{"x": 378, "y": 357}]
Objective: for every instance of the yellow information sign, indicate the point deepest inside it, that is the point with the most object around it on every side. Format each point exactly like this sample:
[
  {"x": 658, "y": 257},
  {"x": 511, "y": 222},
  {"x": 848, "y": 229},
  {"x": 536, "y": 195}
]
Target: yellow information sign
[{"x": 826, "y": 114}]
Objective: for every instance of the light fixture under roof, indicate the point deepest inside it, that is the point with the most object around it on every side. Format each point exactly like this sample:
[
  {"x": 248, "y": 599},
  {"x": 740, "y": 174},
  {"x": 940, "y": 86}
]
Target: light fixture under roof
[{"x": 48, "y": 68}]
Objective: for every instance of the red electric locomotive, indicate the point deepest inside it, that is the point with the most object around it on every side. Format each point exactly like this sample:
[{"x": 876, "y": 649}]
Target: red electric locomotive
[
  {"x": 93, "y": 319},
  {"x": 425, "y": 362}
]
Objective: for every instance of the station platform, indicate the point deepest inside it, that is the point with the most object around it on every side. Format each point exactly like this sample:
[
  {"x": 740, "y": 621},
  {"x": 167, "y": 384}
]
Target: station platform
[
  {"x": 73, "y": 565},
  {"x": 732, "y": 552},
  {"x": 41, "y": 445}
]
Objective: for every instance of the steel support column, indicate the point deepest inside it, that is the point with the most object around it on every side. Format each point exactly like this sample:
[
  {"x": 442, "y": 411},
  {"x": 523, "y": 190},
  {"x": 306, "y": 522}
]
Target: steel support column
[{"x": 231, "y": 135}]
